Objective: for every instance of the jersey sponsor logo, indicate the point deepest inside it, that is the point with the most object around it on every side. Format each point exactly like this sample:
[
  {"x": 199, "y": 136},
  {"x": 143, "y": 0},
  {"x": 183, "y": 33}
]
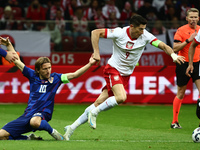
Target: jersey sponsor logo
[
  {"x": 43, "y": 88},
  {"x": 51, "y": 79},
  {"x": 129, "y": 45}
]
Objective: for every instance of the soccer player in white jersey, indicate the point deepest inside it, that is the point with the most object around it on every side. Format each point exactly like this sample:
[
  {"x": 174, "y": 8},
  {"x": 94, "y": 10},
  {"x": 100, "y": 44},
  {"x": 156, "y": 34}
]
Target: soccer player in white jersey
[{"x": 128, "y": 44}]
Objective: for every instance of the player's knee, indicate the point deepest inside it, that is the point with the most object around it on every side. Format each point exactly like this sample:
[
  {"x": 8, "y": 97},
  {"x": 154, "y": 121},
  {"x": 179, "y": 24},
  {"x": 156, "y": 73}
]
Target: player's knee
[
  {"x": 121, "y": 99},
  {"x": 34, "y": 123},
  {"x": 181, "y": 94},
  {"x": 4, "y": 135}
]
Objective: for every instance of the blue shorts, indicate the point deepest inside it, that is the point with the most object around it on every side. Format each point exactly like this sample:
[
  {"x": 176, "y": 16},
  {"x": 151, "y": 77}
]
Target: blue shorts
[{"x": 22, "y": 124}]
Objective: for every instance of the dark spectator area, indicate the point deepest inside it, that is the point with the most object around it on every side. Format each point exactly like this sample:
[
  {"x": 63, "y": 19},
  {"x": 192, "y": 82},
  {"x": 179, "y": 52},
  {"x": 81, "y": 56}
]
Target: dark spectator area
[{"x": 70, "y": 22}]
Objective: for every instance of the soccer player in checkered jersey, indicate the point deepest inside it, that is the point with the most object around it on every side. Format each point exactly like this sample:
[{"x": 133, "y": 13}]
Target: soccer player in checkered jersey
[
  {"x": 192, "y": 69},
  {"x": 128, "y": 45},
  {"x": 182, "y": 40},
  {"x": 43, "y": 87}
]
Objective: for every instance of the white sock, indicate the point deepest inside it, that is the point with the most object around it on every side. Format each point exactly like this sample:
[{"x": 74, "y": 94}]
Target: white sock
[
  {"x": 106, "y": 105},
  {"x": 83, "y": 118},
  {"x": 53, "y": 131}
]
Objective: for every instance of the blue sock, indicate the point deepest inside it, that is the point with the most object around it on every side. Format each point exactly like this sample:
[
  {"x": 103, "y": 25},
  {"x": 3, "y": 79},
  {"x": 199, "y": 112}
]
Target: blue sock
[
  {"x": 21, "y": 137},
  {"x": 45, "y": 126}
]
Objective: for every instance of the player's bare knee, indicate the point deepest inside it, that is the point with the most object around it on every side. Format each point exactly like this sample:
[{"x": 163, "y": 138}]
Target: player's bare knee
[
  {"x": 4, "y": 135},
  {"x": 121, "y": 99},
  {"x": 180, "y": 95},
  {"x": 35, "y": 123}
]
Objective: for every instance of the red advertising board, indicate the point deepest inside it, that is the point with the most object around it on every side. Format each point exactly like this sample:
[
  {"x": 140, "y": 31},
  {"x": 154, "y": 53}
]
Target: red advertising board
[
  {"x": 74, "y": 59},
  {"x": 147, "y": 85}
]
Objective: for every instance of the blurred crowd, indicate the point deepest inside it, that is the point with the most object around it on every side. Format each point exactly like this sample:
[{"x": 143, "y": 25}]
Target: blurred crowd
[{"x": 76, "y": 18}]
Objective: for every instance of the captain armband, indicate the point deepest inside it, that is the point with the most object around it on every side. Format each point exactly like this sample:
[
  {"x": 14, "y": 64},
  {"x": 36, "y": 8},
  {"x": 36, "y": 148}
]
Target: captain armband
[
  {"x": 156, "y": 43},
  {"x": 64, "y": 78}
]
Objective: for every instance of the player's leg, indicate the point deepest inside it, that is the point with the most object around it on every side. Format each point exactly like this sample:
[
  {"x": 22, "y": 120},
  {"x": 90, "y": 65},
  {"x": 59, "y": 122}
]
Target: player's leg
[
  {"x": 182, "y": 81},
  {"x": 197, "y": 83},
  {"x": 177, "y": 105},
  {"x": 4, "y": 135},
  {"x": 14, "y": 130},
  {"x": 84, "y": 117},
  {"x": 196, "y": 79},
  {"x": 112, "y": 101},
  {"x": 115, "y": 84},
  {"x": 37, "y": 123},
  {"x": 119, "y": 97}
]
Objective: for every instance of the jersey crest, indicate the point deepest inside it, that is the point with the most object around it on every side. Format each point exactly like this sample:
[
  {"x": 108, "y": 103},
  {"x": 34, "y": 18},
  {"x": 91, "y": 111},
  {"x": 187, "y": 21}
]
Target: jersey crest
[
  {"x": 129, "y": 45},
  {"x": 51, "y": 79}
]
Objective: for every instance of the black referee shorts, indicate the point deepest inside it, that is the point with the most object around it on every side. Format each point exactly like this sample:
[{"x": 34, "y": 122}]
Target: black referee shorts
[{"x": 181, "y": 77}]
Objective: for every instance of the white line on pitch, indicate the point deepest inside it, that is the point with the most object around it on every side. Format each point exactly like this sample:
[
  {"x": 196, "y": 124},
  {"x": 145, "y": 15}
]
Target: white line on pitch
[{"x": 134, "y": 141}]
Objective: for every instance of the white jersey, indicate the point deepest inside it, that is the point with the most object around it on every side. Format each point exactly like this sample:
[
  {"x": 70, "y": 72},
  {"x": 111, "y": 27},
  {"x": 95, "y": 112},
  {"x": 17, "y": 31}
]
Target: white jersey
[
  {"x": 197, "y": 38},
  {"x": 127, "y": 51}
]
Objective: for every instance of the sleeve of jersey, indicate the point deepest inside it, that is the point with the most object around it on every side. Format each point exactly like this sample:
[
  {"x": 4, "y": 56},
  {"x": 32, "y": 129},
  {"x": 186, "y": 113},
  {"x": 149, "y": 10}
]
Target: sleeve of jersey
[
  {"x": 27, "y": 72},
  {"x": 197, "y": 38},
  {"x": 112, "y": 33},
  {"x": 177, "y": 36},
  {"x": 64, "y": 78}
]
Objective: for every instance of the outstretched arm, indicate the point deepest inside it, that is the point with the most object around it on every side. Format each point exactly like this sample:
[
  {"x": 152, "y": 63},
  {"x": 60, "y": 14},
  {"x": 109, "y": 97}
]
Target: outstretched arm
[
  {"x": 82, "y": 70},
  {"x": 11, "y": 49},
  {"x": 168, "y": 50}
]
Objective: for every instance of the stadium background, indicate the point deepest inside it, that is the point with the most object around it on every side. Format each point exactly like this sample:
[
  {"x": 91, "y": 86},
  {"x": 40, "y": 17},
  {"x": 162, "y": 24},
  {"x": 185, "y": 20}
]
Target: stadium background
[{"x": 153, "y": 81}]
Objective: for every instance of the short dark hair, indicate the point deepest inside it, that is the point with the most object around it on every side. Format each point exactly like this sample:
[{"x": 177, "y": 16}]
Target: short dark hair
[
  {"x": 137, "y": 20},
  {"x": 40, "y": 61}
]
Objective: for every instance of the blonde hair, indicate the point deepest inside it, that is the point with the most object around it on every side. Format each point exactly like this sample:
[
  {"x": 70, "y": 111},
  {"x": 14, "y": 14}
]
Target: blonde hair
[{"x": 192, "y": 10}]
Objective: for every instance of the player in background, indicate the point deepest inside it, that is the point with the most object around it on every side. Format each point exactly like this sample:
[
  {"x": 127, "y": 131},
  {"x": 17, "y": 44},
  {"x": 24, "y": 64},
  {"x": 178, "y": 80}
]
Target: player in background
[
  {"x": 182, "y": 40},
  {"x": 9, "y": 56},
  {"x": 128, "y": 45},
  {"x": 43, "y": 87},
  {"x": 191, "y": 70}
]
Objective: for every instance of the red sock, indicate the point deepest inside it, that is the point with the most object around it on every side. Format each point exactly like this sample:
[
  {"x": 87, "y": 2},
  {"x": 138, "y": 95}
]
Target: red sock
[{"x": 176, "y": 108}]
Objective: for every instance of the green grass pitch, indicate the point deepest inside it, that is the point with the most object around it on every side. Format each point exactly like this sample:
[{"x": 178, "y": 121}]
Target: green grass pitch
[{"x": 125, "y": 127}]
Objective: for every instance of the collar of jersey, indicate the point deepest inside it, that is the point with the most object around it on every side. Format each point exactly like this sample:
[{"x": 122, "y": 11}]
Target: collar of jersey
[{"x": 128, "y": 33}]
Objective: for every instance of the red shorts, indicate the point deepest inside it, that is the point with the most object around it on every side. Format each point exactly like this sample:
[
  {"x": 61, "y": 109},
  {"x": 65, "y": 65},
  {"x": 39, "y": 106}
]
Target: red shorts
[{"x": 112, "y": 77}]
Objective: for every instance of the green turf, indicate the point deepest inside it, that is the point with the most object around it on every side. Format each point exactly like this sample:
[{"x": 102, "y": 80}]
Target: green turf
[{"x": 125, "y": 127}]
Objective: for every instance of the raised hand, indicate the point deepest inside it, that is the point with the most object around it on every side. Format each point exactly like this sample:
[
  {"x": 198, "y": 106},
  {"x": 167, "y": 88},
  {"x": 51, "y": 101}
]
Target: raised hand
[{"x": 4, "y": 41}]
